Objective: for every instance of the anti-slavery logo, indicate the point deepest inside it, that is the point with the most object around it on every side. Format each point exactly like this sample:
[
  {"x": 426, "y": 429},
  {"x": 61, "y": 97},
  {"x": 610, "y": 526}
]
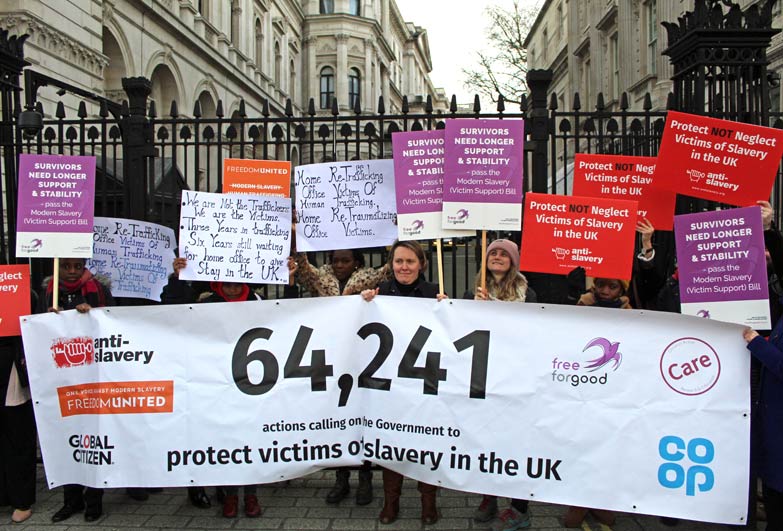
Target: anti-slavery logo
[
  {"x": 574, "y": 371},
  {"x": 72, "y": 352},
  {"x": 676, "y": 471}
]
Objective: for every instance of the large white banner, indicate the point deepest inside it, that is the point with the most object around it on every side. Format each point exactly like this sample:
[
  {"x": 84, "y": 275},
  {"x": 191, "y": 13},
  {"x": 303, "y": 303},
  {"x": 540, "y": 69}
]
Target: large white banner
[
  {"x": 135, "y": 255},
  {"x": 345, "y": 205},
  {"x": 633, "y": 411},
  {"x": 235, "y": 238}
]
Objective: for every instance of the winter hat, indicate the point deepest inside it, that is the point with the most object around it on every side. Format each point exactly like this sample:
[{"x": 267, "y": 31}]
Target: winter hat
[
  {"x": 508, "y": 246},
  {"x": 624, "y": 283}
]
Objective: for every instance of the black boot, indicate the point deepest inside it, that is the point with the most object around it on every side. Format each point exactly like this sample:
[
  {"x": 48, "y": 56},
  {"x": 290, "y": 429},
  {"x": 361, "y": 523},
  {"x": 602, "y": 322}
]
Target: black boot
[
  {"x": 341, "y": 488},
  {"x": 364, "y": 490}
]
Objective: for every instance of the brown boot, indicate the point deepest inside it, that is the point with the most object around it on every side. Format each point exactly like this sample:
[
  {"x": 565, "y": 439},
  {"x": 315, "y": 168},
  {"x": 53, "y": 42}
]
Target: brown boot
[
  {"x": 574, "y": 516},
  {"x": 392, "y": 488},
  {"x": 429, "y": 509},
  {"x": 604, "y": 516}
]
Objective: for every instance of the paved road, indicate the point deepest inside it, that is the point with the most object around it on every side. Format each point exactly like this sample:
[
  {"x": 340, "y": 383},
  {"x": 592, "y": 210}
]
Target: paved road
[{"x": 299, "y": 505}]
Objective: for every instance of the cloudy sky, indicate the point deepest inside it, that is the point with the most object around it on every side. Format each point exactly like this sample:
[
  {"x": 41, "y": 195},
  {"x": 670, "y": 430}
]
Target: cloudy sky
[{"x": 456, "y": 32}]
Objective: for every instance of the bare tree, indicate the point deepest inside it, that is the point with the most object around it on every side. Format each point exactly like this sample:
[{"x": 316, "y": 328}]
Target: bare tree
[{"x": 503, "y": 68}]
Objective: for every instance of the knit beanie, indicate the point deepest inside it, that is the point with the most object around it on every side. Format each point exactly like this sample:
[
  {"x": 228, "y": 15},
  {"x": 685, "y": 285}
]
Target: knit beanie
[
  {"x": 508, "y": 246},
  {"x": 624, "y": 283}
]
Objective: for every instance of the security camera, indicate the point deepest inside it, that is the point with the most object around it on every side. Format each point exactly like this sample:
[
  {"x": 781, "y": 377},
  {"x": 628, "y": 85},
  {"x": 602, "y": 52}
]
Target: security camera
[{"x": 31, "y": 123}]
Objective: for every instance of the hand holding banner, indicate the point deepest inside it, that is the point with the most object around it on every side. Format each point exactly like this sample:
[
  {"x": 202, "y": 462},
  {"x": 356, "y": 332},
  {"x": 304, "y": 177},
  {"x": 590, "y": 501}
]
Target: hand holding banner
[{"x": 564, "y": 232}]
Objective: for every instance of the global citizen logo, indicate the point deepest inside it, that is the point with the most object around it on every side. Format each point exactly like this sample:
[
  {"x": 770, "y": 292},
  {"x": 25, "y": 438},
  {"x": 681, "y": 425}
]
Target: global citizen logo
[
  {"x": 677, "y": 472},
  {"x": 91, "y": 449},
  {"x": 84, "y": 350},
  {"x": 690, "y": 366},
  {"x": 574, "y": 372}
]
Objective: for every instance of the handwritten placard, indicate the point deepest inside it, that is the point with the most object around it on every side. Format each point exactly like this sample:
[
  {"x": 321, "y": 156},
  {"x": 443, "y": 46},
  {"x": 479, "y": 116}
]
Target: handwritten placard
[
  {"x": 719, "y": 160},
  {"x": 135, "y": 255},
  {"x": 564, "y": 232},
  {"x": 345, "y": 205},
  {"x": 235, "y": 238}
]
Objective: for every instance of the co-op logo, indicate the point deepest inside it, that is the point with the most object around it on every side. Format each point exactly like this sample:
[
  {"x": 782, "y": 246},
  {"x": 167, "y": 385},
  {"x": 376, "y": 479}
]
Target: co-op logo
[
  {"x": 574, "y": 371},
  {"x": 72, "y": 352},
  {"x": 690, "y": 366},
  {"x": 693, "y": 473}
]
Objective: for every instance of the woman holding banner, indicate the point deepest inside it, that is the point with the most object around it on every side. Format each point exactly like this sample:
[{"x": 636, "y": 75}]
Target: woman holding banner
[
  {"x": 78, "y": 290},
  {"x": 407, "y": 262},
  {"x": 504, "y": 283},
  {"x": 345, "y": 274}
]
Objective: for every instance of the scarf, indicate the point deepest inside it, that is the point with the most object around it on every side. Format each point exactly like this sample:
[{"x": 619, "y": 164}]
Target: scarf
[
  {"x": 217, "y": 287},
  {"x": 86, "y": 284}
]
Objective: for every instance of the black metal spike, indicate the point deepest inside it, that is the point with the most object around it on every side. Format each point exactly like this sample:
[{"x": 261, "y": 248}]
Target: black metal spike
[
  {"x": 453, "y": 105},
  {"x": 335, "y": 107},
  {"x": 289, "y": 107},
  {"x": 197, "y": 109},
  {"x": 60, "y": 112},
  {"x": 523, "y": 103},
  {"x": 476, "y": 104},
  {"x": 174, "y": 110},
  {"x": 124, "y": 108},
  {"x": 577, "y": 103},
  {"x": 152, "y": 114},
  {"x": 501, "y": 103},
  {"x": 670, "y": 101},
  {"x": 553, "y": 102},
  {"x": 624, "y": 101},
  {"x": 599, "y": 102},
  {"x": 311, "y": 107},
  {"x": 405, "y": 106},
  {"x": 428, "y": 108},
  {"x": 241, "y": 111},
  {"x": 357, "y": 105},
  {"x": 82, "y": 110},
  {"x": 265, "y": 108},
  {"x": 219, "y": 110},
  {"x": 647, "y": 105},
  {"x": 103, "y": 110},
  {"x": 381, "y": 105}
]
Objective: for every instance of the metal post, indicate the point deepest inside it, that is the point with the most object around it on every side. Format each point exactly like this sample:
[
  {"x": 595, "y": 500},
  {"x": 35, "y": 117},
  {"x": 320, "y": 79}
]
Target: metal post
[
  {"x": 538, "y": 82},
  {"x": 137, "y": 146}
]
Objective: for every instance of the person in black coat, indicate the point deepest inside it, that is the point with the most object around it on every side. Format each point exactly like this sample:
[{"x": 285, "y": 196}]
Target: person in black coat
[{"x": 407, "y": 261}]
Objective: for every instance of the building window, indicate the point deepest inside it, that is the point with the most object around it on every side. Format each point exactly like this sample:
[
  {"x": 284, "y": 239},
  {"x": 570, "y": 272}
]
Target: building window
[
  {"x": 259, "y": 44},
  {"x": 354, "y": 84},
  {"x": 203, "y": 8},
  {"x": 278, "y": 66},
  {"x": 327, "y": 87},
  {"x": 292, "y": 80},
  {"x": 353, "y": 8},
  {"x": 652, "y": 37},
  {"x": 236, "y": 13},
  {"x": 614, "y": 49},
  {"x": 559, "y": 22},
  {"x": 326, "y": 7}
]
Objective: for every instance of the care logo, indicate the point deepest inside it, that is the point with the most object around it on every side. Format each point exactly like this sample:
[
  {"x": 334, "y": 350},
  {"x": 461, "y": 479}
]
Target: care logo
[
  {"x": 690, "y": 366},
  {"x": 72, "y": 352},
  {"x": 90, "y": 449},
  {"x": 692, "y": 473},
  {"x": 579, "y": 372}
]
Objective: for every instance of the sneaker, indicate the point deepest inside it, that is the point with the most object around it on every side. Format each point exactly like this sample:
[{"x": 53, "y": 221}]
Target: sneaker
[
  {"x": 487, "y": 510},
  {"x": 511, "y": 519}
]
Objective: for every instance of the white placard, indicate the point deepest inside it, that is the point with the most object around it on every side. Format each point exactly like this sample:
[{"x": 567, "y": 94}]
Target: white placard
[
  {"x": 235, "y": 238},
  {"x": 488, "y": 397},
  {"x": 345, "y": 205},
  {"x": 135, "y": 255}
]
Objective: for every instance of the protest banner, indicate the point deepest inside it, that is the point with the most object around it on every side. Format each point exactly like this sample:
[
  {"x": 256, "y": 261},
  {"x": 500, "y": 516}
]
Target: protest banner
[
  {"x": 135, "y": 255},
  {"x": 457, "y": 393},
  {"x": 482, "y": 186},
  {"x": 719, "y": 160},
  {"x": 55, "y": 206},
  {"x": 564, "y": 232},
  {"x": 235, "y": 238},
  {"x": 345, "y": 205},
  {"x": 722, "y": 266},
  {"x": 621, "y": 177},
  {"x": 257, "y": 177},
  {"x": 15, "y": 293},
  {"x": 418, "y": 179}
]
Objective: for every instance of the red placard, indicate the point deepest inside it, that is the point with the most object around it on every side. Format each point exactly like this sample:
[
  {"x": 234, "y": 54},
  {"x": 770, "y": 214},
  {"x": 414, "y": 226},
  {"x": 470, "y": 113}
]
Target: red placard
[
  {"x": 14, "y": 297},
  {"x": 560, "y": 233},
  {"x": 261, "y": 177},
  {"x": 719, "y": 160},
  {"x": 619, "y": 177}
]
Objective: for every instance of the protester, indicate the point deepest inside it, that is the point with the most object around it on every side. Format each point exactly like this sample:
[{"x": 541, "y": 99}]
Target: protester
[
  {"x": 78, "y": 290},
  {"x": 504, "y": 282},
  {"x": 179, "y": 290},
  {"x": 17, "y": 432},
  {"x": 345, "y": 274},
  {"x": 407, "y": 262}
]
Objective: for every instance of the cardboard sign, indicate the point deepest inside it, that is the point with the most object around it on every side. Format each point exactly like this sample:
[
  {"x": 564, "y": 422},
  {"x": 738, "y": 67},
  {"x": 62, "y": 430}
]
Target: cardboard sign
[
  {"x": 564, "y": 232},
  {"x": 135, "y": 255},
  {"x": 55, "y": 207},
  {"x": 418, "y": 181},
  {"x": 722, "y": 266},
  {"x": 718, "y": 160},
  {"x": 482, "y": 186},
  {"x": 14, "y": 297},
  {"x": 257, "y": 177},
  {"x": 345, "y": 205},
  {"x": 620, "y": 177},
  {"x": 235, "y": 238}
]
